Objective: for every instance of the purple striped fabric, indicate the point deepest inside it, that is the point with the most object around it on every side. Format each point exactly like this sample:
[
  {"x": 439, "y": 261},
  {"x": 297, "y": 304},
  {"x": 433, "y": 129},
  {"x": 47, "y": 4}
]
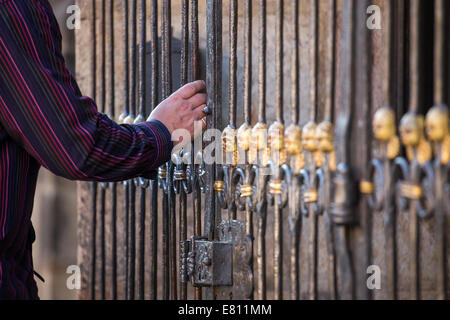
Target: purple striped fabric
[{"x": 45, "y": 121}]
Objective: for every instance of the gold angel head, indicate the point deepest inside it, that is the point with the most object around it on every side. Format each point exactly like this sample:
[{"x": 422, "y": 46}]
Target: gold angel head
[
  {"x": 244, "y": 136},
  {"x": 258, "y": 142},
  {"x": 437, "y": 128},
  {"x": 384, "y": 130},
  {"x": 259, "y": 136},
  {"x": 229, "y": 140},
  {"x": 384, "y": 124},
  {"x": 437, "y": 123},
  {"x": 324, "y": 136},
  {"x": 276, "y": 136},
  {"x": 293, "y": 139},
  {"x": 411, "y": 129},
  {"x": 309, "y": 140},
  {"x": 413, "y": 137}
]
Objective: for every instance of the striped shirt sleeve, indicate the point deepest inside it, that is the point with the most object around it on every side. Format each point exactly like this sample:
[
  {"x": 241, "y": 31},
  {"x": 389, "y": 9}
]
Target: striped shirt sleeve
[{"x": 42, "y": 109}]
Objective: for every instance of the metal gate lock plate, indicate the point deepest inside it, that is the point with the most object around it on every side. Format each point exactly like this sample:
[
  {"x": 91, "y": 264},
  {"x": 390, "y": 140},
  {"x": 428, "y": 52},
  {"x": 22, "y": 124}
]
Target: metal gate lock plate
[{"x": 206, "y": 263}]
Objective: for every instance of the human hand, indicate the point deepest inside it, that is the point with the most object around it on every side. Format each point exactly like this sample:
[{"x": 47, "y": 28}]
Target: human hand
[{"x": 184, "y": 107}]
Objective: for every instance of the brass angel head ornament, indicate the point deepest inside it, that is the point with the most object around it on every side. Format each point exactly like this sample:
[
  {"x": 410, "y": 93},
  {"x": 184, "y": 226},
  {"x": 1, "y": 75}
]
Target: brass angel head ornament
[
  {"x": 384, "y": 130},
  {"x": 413, "y": 137},
  {"x": 437, "y": 129},
  {"x": 293, "y": 144},
  {"x": 244, "y": 134},
  {"x": 325, "y": 143},
  {"x": 437, "y": 123},
  {"x": 276, "y": 143},
  {"x": 384, "y": 124},
  {"x": 324, "y": 136},
  {"x": 309, "y": 140},
  {"x": 293, "y": 139}
]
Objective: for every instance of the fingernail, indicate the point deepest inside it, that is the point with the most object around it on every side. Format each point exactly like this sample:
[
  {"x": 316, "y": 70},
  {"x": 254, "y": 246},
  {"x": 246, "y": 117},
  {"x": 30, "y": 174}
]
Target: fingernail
[{"x": 206, "y": 111}]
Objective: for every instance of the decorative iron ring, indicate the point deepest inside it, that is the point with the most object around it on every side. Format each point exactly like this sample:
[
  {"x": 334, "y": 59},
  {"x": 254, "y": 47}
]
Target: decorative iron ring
[
  {"x": 162, "y": 172},
  {"x": 311, "y": 196},
  {"x": 162, "y": 178},
  {"x": 218, "y": 185},
  {"x": 411, "y": 191},
  {"x": 366, "y": 187},
  {"x": 179, "y": 175},
  {"x": 275, "y": 187},
  {"x": 221, "y": 187},
  {"x": 246, "y": 191}
]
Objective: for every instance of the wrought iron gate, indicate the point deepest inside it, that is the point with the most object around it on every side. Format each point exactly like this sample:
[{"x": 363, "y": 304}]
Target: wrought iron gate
[{"x": 310, "y": 191}]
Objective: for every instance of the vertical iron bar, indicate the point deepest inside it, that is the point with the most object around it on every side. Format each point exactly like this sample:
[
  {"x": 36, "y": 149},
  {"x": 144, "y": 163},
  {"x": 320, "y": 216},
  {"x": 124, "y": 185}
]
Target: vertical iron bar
[
  {"x": 166, "y": 88},
  {"x": 279, "y": 62},
  {"x": 183, "y": 234},
  {"x": 214, "y": 86},
  {"x": 439, "y": 43},
  {"x": 262, "y": 207},
  {"x": 102, "y": 241},
  {"x": 141, "y": 264},
  {"x": 103, "y": 185},
  {"x": 414, "y": 25},
  {"x": 278, "y": 210},
  {"x": 313, "y": 52},
  {"x": 295, "y": 65},
  {"x": 327, "y": 27},
  {"x": 173, "y": 234},
  {"x": 296, "y": 221},
  {"x": 165, "y": 246},
  {"x": 329, "y": 35},
  {"x": 312, "y": 214},
  {"x": 389, "y": 221},
  {"x": 262, "y": 61},
  {"x": 414, "y": 29},
  {"x": 441, "y": 30},
  {"x": 122, "y": 118},
  {"x": 184, "y": 79},
  {"x": 194, "y": 45},
  {"x": 248, "y": 64},
  {"x": 388, "y": 51},
  {"x": 132, "y": 187},
  {"x": 194, "y": 75},
  {"x": 170, "y": 166},
  {"x": 347, "y": 55},
  {"x": 233, "y": 20},
  {"x": 232, "y": 88},
  {"x": 113, "y": 185},
  {"x": 153, "y": 238},
  {"x": 248, "y": 120},
  {"x": 127, "y": 236},
  {"x": 132, "y": 240},
  {"x": 142, "y": 94},
  {"x": 94, "y": 184}
]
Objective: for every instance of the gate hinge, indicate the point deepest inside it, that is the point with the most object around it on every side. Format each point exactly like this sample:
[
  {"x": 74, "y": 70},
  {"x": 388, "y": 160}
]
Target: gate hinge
[{"x": 206, "y": 263}]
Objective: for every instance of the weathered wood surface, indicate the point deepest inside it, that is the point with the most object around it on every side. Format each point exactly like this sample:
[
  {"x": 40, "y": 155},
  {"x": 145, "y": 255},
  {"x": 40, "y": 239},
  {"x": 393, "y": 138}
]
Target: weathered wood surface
[{"x": 367, "y": 235}]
